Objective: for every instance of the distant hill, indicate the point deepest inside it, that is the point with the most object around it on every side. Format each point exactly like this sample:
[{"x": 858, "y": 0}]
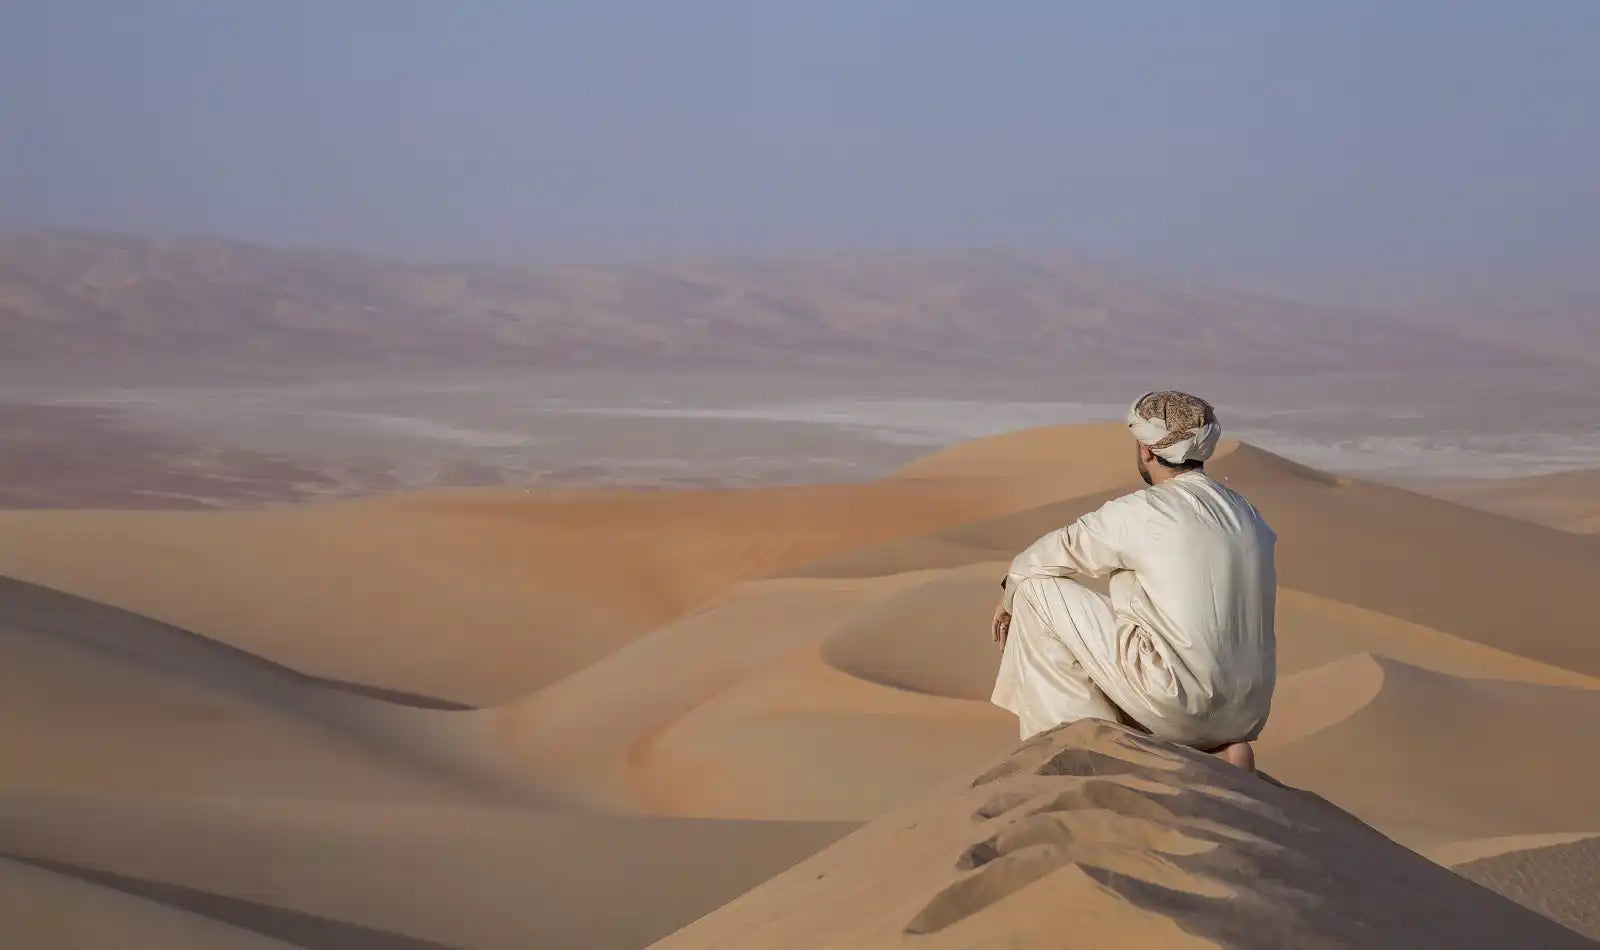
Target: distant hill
[
  {"x": 1563, "y": 324},
  {"x": 90, "y": 303}
]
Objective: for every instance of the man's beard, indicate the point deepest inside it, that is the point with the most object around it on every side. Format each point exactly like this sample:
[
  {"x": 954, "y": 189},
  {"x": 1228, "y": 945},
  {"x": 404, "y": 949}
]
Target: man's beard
[{"x": 1144, "y": 472}]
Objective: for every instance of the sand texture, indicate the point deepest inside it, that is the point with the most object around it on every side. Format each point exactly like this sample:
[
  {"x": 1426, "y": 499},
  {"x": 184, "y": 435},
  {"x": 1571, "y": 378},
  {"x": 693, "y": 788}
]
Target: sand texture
[
  {"x": 590, "y": 718},
  {"x": 1566, "y": 500},
  {"x": 1099, "y": 835}
]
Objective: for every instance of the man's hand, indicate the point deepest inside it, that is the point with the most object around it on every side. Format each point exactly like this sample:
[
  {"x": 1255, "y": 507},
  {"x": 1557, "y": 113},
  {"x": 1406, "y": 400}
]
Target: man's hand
[{"x": 1001, "y": 625}]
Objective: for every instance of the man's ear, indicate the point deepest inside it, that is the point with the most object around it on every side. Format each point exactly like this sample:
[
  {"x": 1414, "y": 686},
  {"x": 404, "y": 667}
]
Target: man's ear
[{"x": 1145, "y": 455}]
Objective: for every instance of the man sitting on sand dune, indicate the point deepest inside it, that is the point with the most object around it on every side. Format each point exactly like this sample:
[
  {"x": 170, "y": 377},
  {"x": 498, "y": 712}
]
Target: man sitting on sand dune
[{"x": 1183, "y": 648}]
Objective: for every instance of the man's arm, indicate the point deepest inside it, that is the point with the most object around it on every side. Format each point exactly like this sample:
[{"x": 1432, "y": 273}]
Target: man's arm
[{"x": 1092, "y": 546}]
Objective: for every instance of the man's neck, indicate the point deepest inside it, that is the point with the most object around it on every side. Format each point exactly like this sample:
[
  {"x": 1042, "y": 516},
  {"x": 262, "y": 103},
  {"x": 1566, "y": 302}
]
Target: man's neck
[{"x": 1160, "y": 473}]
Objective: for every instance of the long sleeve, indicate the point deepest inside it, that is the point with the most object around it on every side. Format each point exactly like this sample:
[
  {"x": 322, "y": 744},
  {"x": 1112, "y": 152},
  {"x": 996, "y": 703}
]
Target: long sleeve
[{"x": 1092, "y": 546}]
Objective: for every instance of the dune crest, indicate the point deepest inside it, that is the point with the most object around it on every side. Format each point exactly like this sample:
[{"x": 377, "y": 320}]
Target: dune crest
[{"x": 1099, "y": 835}]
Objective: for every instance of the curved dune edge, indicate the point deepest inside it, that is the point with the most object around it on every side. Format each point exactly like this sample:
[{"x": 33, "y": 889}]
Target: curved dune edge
[
  {"x": 1309, "y": 702},
  {"x": 1119, "y": 840},
  {"x": 47, "y": 908}
]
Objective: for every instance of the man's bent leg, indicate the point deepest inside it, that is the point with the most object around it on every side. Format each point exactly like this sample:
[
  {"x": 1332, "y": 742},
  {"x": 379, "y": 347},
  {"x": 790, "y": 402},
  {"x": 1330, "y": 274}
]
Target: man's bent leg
[{"x": 1040, "y": 679}]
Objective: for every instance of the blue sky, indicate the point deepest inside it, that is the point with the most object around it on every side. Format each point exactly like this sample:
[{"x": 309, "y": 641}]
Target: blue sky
[{"x": 1229, "y": 139}]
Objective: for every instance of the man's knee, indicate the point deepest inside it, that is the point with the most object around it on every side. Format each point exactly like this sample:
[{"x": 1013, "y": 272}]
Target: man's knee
[{"x": 1046, "y": 595}]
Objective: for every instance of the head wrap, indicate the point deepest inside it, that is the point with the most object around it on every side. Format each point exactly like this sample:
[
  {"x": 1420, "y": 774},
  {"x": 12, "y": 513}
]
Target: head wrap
[{"x": 1176, "y": 426}]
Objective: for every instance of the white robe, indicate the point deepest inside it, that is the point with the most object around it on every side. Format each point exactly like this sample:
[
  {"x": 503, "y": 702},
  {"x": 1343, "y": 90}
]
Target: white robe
[{"x": 1184, "y": 645}]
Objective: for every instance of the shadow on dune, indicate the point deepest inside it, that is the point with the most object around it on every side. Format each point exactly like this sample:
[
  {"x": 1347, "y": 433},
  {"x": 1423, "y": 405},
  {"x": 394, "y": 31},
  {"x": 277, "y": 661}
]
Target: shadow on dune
[
  {"x": 132, "y": 637},
  {"x": 304, "y": 930},
  {"x": 1129, "y": 841}
]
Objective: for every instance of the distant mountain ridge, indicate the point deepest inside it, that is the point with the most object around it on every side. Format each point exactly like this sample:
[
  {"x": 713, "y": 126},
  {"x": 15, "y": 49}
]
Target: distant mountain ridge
[
  {"x": 1562, "y": 323},
  {"x": 82, "y": 302}
]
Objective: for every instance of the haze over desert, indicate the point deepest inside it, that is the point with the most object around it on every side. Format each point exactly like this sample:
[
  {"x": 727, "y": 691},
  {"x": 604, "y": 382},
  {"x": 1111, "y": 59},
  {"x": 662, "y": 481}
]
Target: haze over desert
[{"x": 542, "y": 476}]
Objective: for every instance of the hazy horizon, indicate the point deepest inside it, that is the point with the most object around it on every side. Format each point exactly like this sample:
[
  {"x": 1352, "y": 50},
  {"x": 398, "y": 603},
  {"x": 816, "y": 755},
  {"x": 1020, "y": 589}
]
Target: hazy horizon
[
  {"x": 1221, "y": 168},
  {"x": 1326, "y": 149}
]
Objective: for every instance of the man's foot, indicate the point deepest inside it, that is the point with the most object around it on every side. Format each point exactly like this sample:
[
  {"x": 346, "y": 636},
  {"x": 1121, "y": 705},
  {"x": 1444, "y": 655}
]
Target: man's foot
[{"x": 1237, "y": 753}]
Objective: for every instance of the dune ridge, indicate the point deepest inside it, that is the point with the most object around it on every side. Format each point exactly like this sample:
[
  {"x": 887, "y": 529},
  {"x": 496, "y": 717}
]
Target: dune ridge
[{"x": 1117, "y": 839}]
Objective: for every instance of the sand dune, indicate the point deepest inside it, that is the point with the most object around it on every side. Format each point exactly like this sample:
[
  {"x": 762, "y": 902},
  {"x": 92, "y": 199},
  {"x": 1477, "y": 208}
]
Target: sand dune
[
  {"x": 1420, "y": 729},
  {"x": 585, "y": 718},
  {"x": 336, "y": 875},
  {"x": 104, "y": 698},
  {"x": 1118, "y": 840},
  {"x": 1566, "y": 500},
  {"x": 1555, "y": 879}
]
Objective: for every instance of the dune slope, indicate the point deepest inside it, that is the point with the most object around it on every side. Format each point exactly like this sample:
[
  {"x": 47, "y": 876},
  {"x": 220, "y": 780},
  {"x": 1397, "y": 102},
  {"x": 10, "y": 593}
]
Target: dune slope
[{"x": 1557, "y": 880}]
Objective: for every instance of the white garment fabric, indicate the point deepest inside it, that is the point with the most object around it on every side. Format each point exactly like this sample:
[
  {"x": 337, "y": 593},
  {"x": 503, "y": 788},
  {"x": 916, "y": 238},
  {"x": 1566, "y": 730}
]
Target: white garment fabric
[
  {"x": 1196, "y": 446},
  {"x": 1041, "y": 680},
  {"x": 1184, "y": 645}
]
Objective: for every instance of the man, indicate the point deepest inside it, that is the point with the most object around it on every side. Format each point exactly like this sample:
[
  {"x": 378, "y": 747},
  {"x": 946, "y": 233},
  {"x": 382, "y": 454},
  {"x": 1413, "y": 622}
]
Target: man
[{"x": 1183, "y": 648}]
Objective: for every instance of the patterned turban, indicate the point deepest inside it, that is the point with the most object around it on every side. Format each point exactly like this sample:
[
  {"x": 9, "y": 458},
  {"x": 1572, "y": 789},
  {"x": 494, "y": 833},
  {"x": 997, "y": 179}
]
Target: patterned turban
[{"x": 1176, "y": 426}]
